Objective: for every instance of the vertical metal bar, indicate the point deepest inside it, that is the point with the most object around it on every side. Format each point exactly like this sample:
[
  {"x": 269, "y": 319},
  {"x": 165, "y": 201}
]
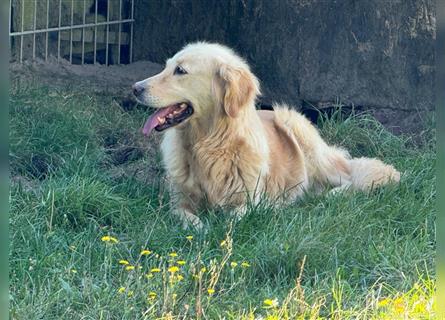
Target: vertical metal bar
[
  {"x": 10, "y": 17},
  {"x": 119, "y": 35},
  {"x": 95, "y": 30},
  {"x": 23, "y": 28},
  {"x": 10, "y": 26},
  {"x": 83, "y": 34},
  {"x": 71, "y": 31},
  {"x": 58, "y": 33},
  {"x": 108, "y": 29},
  {"x": 47, "y": 33},
  {"x": 131, "y": 31},
  {"x": 34, "y": 29}
]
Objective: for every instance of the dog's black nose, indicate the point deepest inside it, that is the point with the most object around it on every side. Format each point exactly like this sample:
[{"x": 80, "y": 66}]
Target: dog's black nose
[{"x": 137, "y": 89}]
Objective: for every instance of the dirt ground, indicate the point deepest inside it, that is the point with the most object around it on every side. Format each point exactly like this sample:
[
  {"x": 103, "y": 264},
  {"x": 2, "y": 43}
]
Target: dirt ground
[{"x": 114, "y": 79}]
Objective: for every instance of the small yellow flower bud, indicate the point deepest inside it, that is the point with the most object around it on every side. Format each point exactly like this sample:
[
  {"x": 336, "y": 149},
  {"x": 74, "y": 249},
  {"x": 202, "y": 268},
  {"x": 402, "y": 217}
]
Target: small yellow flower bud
[
  {"x": 109, "y": 239},
  {"x": 145, "y": 252},
  {"x": 270, "y": 302}
]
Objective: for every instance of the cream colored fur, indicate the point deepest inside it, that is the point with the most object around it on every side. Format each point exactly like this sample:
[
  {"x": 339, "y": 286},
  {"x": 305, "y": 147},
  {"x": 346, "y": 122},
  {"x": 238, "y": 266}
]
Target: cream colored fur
[{"x": 228, "y": 153}]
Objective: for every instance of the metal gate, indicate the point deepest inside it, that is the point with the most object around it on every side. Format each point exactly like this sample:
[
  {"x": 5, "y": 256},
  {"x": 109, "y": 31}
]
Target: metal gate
[{"x": 80, "y": 31}]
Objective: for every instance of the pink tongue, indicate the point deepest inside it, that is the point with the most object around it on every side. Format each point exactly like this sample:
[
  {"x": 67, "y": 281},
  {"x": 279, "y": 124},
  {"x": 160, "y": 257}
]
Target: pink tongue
[{"x": 153, "y": 120}]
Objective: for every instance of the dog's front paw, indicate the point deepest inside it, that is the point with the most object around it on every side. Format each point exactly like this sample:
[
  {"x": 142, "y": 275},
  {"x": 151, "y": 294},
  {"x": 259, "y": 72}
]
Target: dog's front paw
[
  {"x": 193, "y": 222},
  {"x": 189, "y": 220}
]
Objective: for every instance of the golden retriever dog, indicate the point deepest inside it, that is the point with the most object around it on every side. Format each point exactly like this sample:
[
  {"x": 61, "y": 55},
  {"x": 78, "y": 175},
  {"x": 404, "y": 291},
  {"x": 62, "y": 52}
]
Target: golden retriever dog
[{"x": 218, "y": 150}]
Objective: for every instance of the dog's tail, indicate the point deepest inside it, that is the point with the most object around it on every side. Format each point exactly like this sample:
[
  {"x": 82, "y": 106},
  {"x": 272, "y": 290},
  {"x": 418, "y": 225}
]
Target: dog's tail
[
  {"x": 369, "y": 173},
  {"x": 338, "y": 169},
  {"x": 341, "y": 171},
  {"x": 332, "y": 165}
]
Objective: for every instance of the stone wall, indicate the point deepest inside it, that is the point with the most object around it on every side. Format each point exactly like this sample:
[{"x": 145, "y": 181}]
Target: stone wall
[{"x": 377, "y": 54}]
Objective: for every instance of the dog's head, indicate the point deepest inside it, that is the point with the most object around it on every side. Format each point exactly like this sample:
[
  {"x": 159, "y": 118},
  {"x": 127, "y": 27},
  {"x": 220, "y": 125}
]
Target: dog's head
[{"x": 200, "y": 83}]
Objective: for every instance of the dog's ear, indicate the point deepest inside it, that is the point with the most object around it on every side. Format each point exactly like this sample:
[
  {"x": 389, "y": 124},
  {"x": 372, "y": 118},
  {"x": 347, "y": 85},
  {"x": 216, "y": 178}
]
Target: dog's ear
[{"x": 240, "y": 88}]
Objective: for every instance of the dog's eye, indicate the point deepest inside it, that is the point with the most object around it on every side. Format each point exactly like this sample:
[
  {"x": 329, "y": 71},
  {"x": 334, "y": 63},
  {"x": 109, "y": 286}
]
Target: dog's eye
[{"x": 179, "y": 71}]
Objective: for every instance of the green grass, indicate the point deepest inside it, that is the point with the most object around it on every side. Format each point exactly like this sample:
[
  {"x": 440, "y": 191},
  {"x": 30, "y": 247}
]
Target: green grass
[{"x": 81, "y": 170}]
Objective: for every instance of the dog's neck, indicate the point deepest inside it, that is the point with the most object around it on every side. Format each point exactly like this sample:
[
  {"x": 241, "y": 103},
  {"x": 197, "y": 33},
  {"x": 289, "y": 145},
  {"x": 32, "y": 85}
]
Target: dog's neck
[{"x": 246, "y": 124}]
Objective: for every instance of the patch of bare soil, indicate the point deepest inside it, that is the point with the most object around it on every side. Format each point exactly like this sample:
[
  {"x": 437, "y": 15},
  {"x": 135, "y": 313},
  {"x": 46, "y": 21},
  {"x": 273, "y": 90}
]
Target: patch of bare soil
[
  {"x": 114, "y": 79},
  {"x": 27, "y": 185}
]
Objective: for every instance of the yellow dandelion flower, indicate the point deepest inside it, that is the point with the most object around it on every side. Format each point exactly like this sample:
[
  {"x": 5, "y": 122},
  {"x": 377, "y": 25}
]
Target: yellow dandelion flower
[
  {"x": 146, "y": 252},
  {"x": 152, "y": 295},
  {"x": 190, "y": 238},
  {"x": 129, "y": 268},
  {"x": 272, "y": 317},
  {"x": 181, "y": 262},
  {"x": 173, "y": 254},
  {"x": 154, "y": 270},
  {"x": 270, "y": 303},
  {"x": 121, "y": 290},
  {"x": 173, "y": 269},
  {"x": 109, "y": 239},
  {"x": 420, "y": 307},
  {"x": 223, "y": 243},
  {"x": 203, "y": 269},
  {"x": 124, "y": 262},
  {"x": 179, "y": 277},
  {"x": 210, "y": 291},
  {"x": 384, "y": 302},
  {"x": 149, "y": 275},
  {"x": 130, "y": 293},
  {"x": 233, "y": 264},
  {"x": 399, "y": 309},
  {"x": 399, "y": 306},
  {"x": 245, "y": 264}
]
